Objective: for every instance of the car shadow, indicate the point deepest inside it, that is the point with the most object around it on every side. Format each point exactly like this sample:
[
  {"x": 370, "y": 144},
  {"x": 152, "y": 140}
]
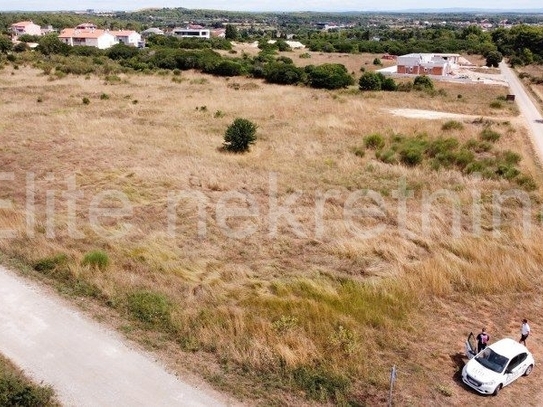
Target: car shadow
[{"x": 458, "y": 359}]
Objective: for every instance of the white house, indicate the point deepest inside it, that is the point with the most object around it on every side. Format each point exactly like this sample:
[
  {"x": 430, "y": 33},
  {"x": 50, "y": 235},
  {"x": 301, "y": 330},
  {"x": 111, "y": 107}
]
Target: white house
[
  {"x": 127, "y": 37},
  {"x": 87, "y": 35},
  {"x": 191, "y": 32},
  {"x": 25, "y": 27},
  {"x": 427, "y": 64}
]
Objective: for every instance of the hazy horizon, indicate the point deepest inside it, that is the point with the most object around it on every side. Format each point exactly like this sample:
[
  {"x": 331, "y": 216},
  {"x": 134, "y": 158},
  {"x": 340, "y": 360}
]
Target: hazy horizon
[{"x": 261, "y": 5}]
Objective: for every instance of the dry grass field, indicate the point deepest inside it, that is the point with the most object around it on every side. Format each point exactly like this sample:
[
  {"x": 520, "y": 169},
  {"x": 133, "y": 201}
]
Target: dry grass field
[{"x": 296, "y": 274}]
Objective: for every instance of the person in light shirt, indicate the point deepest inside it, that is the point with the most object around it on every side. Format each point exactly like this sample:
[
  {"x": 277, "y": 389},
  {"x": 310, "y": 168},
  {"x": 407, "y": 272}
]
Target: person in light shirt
[{"x": 524, "y": 331}]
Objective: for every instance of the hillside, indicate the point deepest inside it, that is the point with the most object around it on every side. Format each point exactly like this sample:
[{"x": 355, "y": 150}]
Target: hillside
[{"x": 302, "y": 271}]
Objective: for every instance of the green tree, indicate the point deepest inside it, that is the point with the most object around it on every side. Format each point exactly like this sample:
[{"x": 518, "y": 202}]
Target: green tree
[
  {"x": 122, "y": 51},
  {"x": 423, "y": 83},
  {"x": 50, "y": 44},
  {"x": 5, "y": 44},
  {"x": 231, "y": 32},
  {"x": 240, "y": 135},
  {"x": 369, "y": 81},
  {"x": 493, "y": 58},
  {"x": 329, "y": 76}
]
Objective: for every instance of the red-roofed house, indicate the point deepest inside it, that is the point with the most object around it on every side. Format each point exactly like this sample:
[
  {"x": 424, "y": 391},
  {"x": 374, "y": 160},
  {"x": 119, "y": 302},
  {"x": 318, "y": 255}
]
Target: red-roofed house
[
  {"x": 87, "y": 35},
  {"x": 25, "y": 27},
  {"x": 127, "y": 37}
]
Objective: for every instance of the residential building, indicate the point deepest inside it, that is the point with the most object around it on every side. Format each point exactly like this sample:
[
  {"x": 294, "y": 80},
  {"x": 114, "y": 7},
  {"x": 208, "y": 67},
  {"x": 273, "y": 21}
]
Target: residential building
[
  {"x": 127, "y": 37},
  {"x": 25, "y": 27},
  {"x": 427, "y": 64},
  {"x": 87, "y": 35},
  {"x": 191, "y": 32}
]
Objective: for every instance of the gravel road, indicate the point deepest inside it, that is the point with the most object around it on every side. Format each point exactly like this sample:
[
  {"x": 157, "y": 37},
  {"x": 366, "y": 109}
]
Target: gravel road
[
  {"x": 87, "y": 364},
  {"x": 528, "y": 109}
]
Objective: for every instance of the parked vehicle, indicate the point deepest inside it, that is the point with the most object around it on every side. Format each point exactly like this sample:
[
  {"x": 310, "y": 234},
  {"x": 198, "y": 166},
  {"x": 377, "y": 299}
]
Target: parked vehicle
[{"x": 497, "y": 366}]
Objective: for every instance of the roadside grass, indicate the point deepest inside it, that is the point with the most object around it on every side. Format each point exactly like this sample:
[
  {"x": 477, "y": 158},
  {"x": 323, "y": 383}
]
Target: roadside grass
[
  {"x": 17, "y": 390},
  {"x": 313, "y": 314}
]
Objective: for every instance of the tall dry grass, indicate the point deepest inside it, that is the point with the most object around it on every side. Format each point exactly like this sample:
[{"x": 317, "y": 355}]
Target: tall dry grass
[{"x": 288, "y": 310}]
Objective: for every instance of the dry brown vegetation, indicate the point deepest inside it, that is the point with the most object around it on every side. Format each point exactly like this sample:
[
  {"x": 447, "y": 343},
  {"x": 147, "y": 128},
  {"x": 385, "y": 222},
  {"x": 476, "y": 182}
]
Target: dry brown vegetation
[{"x": 285, "y": 316}]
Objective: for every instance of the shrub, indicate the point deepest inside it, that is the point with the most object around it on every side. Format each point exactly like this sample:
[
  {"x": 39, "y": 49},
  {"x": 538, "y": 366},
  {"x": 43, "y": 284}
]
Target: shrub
[
  {"x": 104, "y": 96},
  {"x": 412, "y": 152},
  {"x": 369, "y": 81},
  {"x": 510, "y": 157},
  {"x": 496, "y": 104},
  {"x": 86, "y": 101},
  {"x": 97, "y": 259},
  {"x": 423, "y": 83},
  {"x": 359, "y": 151},
  {"x": 48, "y": 264},
  {"x": 329, "y": 76},
  {"x": 150, "y": 308},
  {"x": 405, "y": 86},
  {"x": 388, "y": 156},
  {"x": 228, "y": 68},
  {"x": 389, "y": 85},
  {"x": 16, "y": 391},
  {"x": 489, "y": 135},
  {"x": 441, "y": 146},
  {"x": 240, "y": 135},
  {"x": 374, "y": 141},
  {"x": 283, "y": 74},
  {"x": 526, "y": 182},
  {"x": 452, "y": 125},
  {"x": 319, "y": 384},
  {"x": 377, "y": 61},
  {"x": 305, "y": 55}
]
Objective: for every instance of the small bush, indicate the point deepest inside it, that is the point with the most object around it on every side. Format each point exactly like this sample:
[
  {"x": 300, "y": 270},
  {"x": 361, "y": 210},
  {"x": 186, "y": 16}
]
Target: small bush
[
  {"x": 359, "y": 151},
  {"x": 150, "y": 308},
  {"x": 319, "y": 384},
  {"x": 86, "y": 101},
  {"x": 510, "y": 157},
  {"x": 104, "y": 96},
  {"x": 377, "y": 61},
  {"x": 374, "y": 141},
  {"x": 388, "y": 157},
  {"x": 452, "y": 125},
  {"x": 218, "y": 114},
  {"x": 40, "y": 99},
  {"x": 412, "y": 152},
  {"x": 496, "y": 104},
  {"x": 305, "y": 55},
  {"x": 240, "y": 135},
  {"x": 405, "y": 86},
  {"x": 489, "y": 135},
  {"x": 48, "y": 264},
  {"x": 16, "y": 391},
  {"x": 526, "y": 182},
  {"x": 423, "y": 83},
  {"x": 97, "y": 259}
]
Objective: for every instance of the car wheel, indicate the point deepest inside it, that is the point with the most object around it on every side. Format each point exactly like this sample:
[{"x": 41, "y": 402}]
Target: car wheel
[
  {"x": 497, "y": 390},
  {"x": 528, "y": 370}
]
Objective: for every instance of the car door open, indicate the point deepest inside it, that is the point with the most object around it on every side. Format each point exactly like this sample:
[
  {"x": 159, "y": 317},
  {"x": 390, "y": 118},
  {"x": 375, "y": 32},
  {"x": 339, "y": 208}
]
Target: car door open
[{"x": 471, "y": 348}]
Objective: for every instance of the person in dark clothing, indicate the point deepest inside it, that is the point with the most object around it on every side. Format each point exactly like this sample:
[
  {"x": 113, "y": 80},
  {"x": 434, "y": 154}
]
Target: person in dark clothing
[{"x": 482, "y": 339}]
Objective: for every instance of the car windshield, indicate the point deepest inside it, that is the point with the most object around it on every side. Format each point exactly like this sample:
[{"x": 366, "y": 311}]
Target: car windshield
[{"x": 492, "y": 360}]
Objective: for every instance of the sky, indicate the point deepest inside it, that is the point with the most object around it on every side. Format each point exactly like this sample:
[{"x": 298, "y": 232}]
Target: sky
[{"x": 263, "y": 5}]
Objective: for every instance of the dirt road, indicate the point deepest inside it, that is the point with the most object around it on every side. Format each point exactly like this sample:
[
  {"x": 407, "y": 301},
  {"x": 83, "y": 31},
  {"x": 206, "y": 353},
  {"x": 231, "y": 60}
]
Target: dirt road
[
  {"x": 86, "y": 364},
  {"x": 528, "y": 109}
]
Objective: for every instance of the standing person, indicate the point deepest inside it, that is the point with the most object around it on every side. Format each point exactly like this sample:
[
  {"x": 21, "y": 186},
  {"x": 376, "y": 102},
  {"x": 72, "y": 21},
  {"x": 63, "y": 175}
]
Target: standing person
[
  {"x": 482, "y": 340},
  {"x": 524, "y": 331}
]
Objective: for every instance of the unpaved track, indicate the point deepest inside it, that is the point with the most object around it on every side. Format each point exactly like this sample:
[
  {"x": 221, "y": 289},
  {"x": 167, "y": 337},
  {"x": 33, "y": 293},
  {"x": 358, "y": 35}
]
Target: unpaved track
[{"x": 86, "y": 364}]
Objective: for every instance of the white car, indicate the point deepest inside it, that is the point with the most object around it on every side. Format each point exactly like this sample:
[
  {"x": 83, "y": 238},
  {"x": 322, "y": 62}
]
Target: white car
[{"x": 500, "y": 364}]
